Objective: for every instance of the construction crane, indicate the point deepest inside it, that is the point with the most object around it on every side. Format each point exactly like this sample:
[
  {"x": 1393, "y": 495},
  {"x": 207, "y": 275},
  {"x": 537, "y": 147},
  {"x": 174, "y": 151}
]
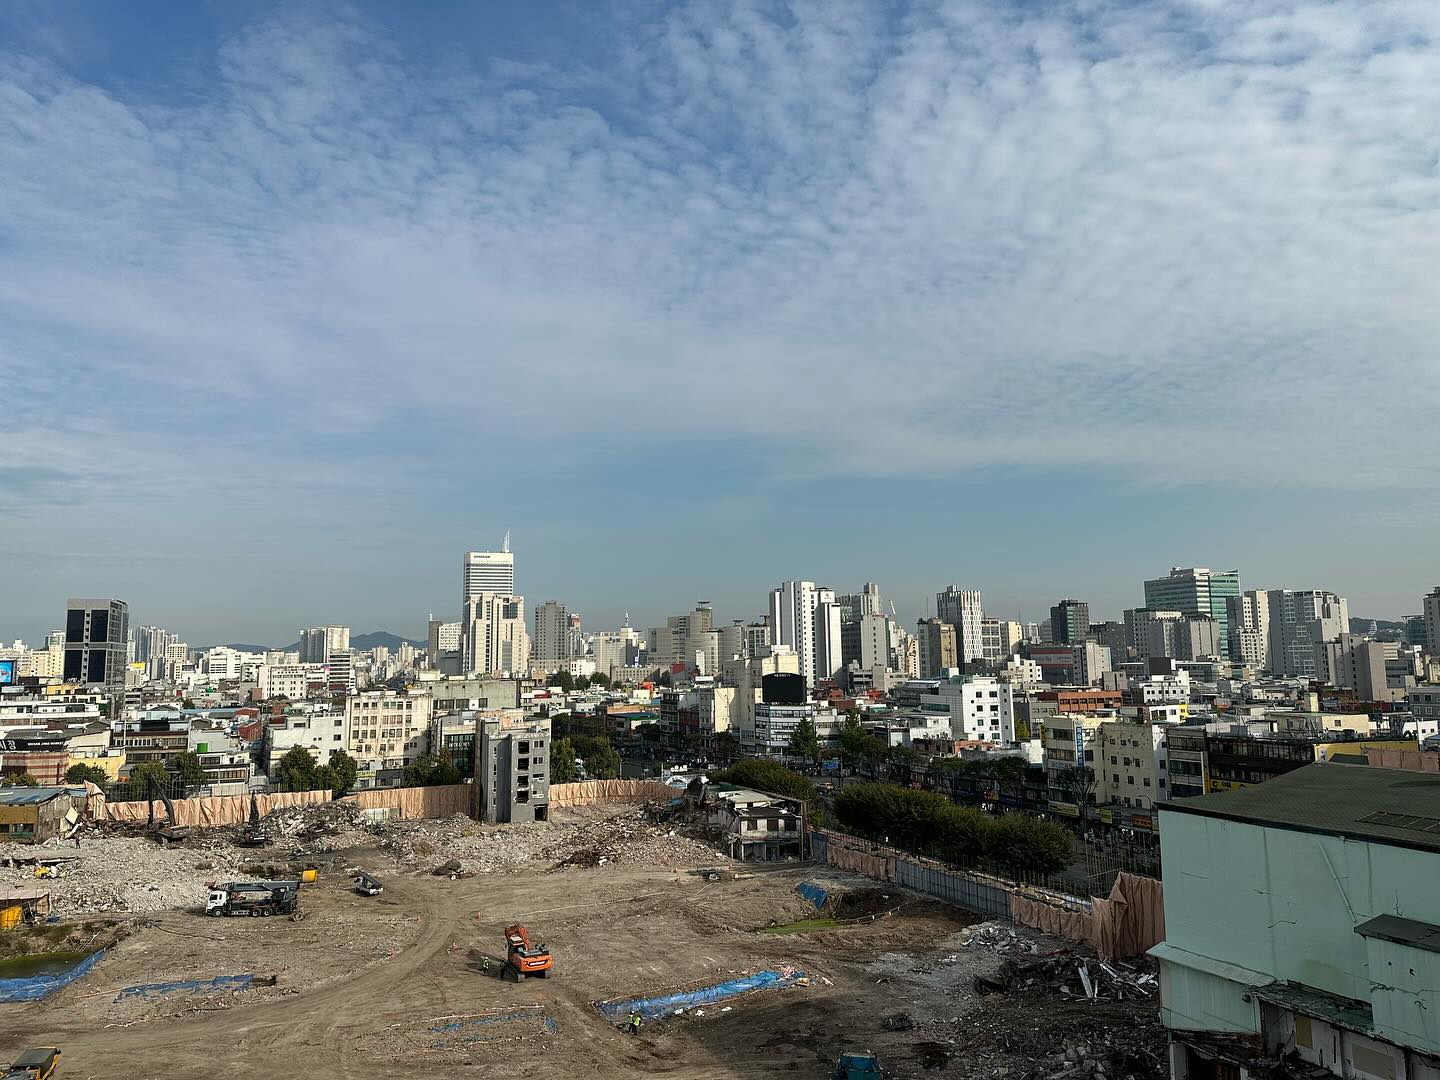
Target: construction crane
[{"x": 523, "y": 959}]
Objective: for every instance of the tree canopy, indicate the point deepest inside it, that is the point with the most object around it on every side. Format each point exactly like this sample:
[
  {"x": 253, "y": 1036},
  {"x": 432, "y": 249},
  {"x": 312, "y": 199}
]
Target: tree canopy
[
  {"x": 18, "y": 779},
  {"x": 562, "y": 762},
  {"x": 188, "y": 768},
  {"x": 928, "y": 823},
  {"x": 804, "y": 741},
  {"x": 80, "y": 772},
  {"x": 768, "y": 776}
]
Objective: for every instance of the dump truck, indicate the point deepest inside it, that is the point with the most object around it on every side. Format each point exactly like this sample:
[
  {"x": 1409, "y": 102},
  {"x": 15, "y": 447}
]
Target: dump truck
[
  {"x": 253, "y": 898},
  {"x": 38, "y": 1063},
  {"x": 523, "y": 959}
]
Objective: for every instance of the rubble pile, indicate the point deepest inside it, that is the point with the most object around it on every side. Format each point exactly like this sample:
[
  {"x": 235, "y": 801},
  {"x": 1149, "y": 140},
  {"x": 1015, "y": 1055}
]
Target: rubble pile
[
  {"x": 329, "y": 826},
  {"x": 1071, "y": 976},
  {"x": 132, "y": 873},
  {"x": 631, "y": 839}
]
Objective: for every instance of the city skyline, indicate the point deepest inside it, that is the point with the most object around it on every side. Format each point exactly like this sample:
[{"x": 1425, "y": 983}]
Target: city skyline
[
  {"x": 910, "y": 606},
  {"x": 1042, "y": 301}
]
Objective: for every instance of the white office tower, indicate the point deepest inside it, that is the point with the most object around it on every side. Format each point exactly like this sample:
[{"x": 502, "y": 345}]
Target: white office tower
[
  {"x": 806, "y": 618},
  {"x": 961, "y": 609},
  {"x": 318, "y": 642},
  {"x": 551, "y": 632},
  {"x": 495, "y": 639},
  {"x": 488, "y": 572}
]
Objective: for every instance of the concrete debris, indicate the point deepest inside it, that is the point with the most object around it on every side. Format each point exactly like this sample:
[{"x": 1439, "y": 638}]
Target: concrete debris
[
  {"x": 1071, "y": 976},
  {"x": 119, "y": 870},
  {"x": 900, "y": 1021}
]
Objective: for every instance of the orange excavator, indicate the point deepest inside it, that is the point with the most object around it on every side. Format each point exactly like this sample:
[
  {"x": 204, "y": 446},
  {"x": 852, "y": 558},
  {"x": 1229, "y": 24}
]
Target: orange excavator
[{"x": 523, "y": 959}]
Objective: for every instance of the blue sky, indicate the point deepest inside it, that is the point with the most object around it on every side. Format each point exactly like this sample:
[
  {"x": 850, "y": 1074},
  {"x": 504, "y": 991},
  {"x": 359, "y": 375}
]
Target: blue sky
[{"x": 301, "y": 301}]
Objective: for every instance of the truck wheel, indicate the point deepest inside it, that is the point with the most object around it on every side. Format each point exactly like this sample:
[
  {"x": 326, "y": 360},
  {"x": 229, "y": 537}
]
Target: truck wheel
[{"x": 544, "y": 974}]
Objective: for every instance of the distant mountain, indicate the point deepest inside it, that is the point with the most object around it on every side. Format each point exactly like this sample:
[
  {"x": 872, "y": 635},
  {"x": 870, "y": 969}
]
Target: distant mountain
[
  {"x": 359, "y": 642},
  {"x": 376, "y": 638},
  {"x": 1362, "y": 626}
]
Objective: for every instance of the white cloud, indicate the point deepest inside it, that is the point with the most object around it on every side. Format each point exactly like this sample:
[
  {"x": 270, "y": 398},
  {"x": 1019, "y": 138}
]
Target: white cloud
[{"x": 1187, "y": 243}]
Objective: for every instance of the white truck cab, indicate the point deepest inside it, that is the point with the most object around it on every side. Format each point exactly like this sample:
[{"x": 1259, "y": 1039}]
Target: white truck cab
[{"x": 215, "y": 901}]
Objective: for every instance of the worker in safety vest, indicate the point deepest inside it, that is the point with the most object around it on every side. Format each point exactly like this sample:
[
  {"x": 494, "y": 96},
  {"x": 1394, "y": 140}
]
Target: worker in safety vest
[{"x": 634, "y": 1023}]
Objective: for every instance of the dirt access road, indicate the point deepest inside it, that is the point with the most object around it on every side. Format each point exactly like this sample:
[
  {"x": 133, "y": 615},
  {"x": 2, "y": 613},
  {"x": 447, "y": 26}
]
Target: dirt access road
[{"x": 428, "y": 1009}]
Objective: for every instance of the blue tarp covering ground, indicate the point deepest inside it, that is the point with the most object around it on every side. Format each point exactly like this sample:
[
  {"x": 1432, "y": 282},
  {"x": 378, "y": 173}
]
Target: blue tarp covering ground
[
  {"x": 37, "y": 987},
  {"x": 473, "y": 1029},
  {"x": 812, "y": 892},
  {"x": 654, "y": 1007},
  {"x": 150, "y": 991}
]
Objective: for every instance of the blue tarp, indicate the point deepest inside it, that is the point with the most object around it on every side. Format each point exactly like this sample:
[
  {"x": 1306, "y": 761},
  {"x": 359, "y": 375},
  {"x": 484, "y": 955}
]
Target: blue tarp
[
  {"x": 36, "y": 987},
  {"x": 149, "y": 991},
  {"x": 651, "y": 1008},
  {"x": 812, "y": 892}
]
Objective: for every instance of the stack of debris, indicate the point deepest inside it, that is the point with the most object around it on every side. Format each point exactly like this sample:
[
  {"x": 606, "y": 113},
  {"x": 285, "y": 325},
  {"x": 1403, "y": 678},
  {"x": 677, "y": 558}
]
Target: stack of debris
[
  {"x": 1072, "y": 976},
  {"x": 631, "y": 839}
]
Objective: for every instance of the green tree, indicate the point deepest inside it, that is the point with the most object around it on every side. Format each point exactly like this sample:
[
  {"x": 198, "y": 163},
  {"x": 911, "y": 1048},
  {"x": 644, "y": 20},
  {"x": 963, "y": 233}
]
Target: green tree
[
  {"x": 1078, "y": 781},
  {"x": 563, "y": 680},
  {"x": 79, "y": 773},
  {"x": 140, "y": 778},
  {"x": 296, "y": 771},
  {"x": 804, "y": 741},
  {"x": 562, "y": 762},
  {"x": 600, "y": 679},
  {"x": 726, "y": 746},
  {"x": 418, "y": 772},
  {"x": 187, "y": 703},
  {"x": 18, "y": 779},
  {"x": 854, "y": 740},
  {"x": 768, "y": 776},
  {"x": 445, "y": 773},
  {"x": 603, "y": 763},
  {"x": 1022, "y": 730},
  {"x": 188, "y": 768},
  {"x": 325, "y": 779},
  {"x": 1024, "y": 844},
  {"x": 347, "y": 771},
  {"x": 582, "y": 683}
]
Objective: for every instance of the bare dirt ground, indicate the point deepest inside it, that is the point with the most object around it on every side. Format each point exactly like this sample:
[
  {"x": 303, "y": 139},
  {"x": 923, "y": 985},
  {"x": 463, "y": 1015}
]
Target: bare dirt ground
[{"x": 394, "y": 985}]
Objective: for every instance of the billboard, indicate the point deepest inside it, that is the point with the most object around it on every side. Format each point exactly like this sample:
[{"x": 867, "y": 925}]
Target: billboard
[{"x": 7, "y": 672}]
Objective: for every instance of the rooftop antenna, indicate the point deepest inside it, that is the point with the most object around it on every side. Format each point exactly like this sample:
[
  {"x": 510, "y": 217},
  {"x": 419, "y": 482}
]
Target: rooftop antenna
[{"x": 505, "y": 547}]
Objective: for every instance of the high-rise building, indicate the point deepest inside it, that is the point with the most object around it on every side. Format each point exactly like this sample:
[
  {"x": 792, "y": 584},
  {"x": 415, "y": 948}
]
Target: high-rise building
[
  {"x": 1196, "y": 591},
  {"x": 574, "y": 636},
  {"x": 853, "y": 608},
  {"x": 806, "y": 618},
  {"x": 961, "y": 608},
  {"x": 493, "y": 635},
  {"x": 488, "y": 572},
  {"x": 552, "y": 626},
  {"x": 1247, "y": 625},
  {"x": 1431, "y": 611},
  {"x": 936, "y": 648},
  {"x": 874, "y": 641},
  {"x": 1300, "y": 622},
  {"x": 95, "y": 635},
  {"x": 1070, "y": 622},
  {"x": 318, "y": 642}
]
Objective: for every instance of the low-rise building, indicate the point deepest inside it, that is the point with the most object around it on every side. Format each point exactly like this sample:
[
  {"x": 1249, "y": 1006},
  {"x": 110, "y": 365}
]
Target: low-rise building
[
  {"x": 1301, "y": 922},
  {"x": 382, "y": 722},
  {"x": 322, "y": 731},
  {"x": 754, "y": 825},
  {"x": 33, "y": 815},
  {"x": 512, "y": 769}
]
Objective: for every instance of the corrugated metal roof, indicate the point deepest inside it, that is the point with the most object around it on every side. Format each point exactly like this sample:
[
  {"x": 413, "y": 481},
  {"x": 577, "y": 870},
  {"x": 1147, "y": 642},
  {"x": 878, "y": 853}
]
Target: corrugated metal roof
[
  {"x": 24, "y": 796},
  {"x": 1347, "y": 800}
]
